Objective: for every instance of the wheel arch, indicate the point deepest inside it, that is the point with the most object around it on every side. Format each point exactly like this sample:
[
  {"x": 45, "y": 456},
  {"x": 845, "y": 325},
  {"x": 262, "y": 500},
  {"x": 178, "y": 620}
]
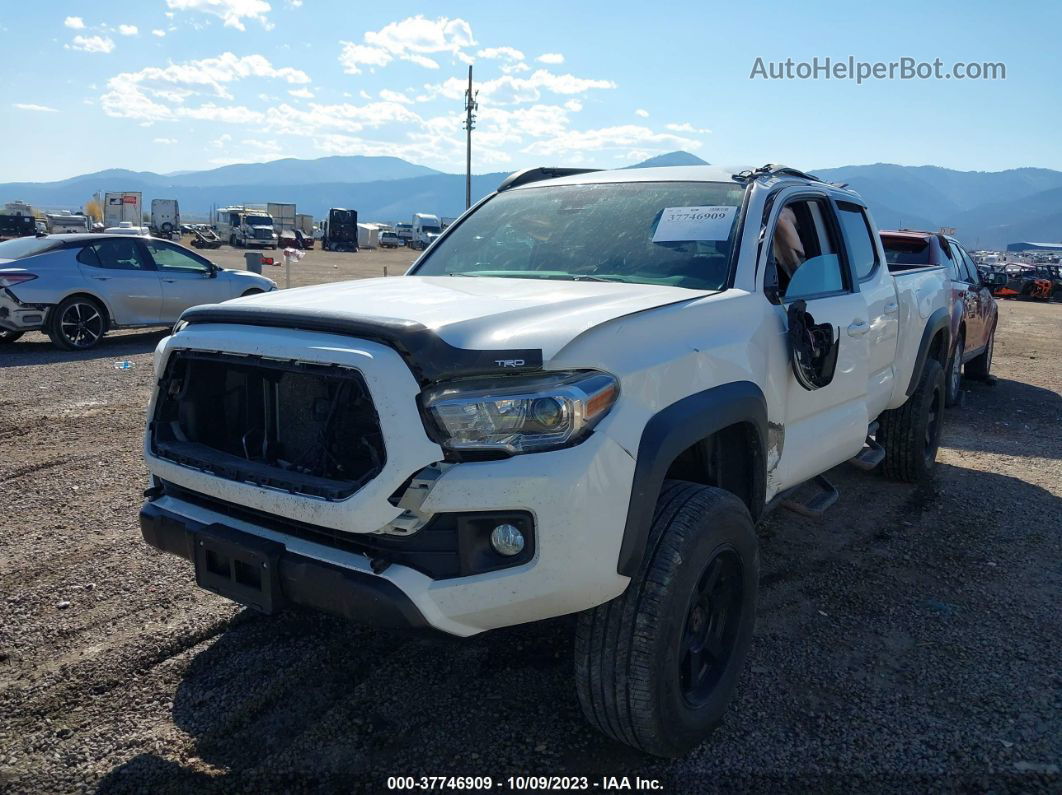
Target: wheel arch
[
  {"x": 935, "y": 344},
  {"x": 108, "y": 315},
  {"x": 738, "y": 409}
]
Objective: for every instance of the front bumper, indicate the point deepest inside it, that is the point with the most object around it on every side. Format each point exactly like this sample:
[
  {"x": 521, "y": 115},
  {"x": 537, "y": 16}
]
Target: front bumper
[{"x": 344, "y": 592}]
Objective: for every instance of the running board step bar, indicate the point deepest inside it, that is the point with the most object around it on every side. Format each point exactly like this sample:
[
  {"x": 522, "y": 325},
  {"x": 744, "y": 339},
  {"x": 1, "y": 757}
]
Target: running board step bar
[
  {"x": 869, "y": 457},
  {"x": 811, "y": 498}
]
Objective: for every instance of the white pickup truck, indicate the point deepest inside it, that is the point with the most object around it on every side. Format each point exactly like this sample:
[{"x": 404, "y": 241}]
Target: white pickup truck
[{"x": 580, "y": 399}]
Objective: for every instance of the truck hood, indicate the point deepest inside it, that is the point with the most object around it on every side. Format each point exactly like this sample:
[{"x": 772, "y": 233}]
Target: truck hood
[{"x": 478, "y": 313}]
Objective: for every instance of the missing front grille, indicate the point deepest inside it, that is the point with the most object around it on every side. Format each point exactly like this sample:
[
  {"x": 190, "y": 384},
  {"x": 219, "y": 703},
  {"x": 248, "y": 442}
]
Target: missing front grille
[{"x": 306, "y": 428}]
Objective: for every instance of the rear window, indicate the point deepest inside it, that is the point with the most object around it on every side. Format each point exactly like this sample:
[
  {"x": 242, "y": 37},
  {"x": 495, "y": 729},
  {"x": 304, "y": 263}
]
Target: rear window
[
  {"x": 905, "y": 252},
  {"x": 23, "y": 247}
]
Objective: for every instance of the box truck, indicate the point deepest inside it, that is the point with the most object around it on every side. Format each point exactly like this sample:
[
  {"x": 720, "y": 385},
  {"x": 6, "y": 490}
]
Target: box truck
[
  {"x": 283, "y": 221},
  {"x": 165, "y": 218},
  {"x": 118, "y": 207}
]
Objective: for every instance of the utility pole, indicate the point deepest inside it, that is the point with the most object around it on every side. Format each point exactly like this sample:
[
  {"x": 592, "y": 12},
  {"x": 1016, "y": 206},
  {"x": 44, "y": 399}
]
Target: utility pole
[{"x": 471, "y": 106}]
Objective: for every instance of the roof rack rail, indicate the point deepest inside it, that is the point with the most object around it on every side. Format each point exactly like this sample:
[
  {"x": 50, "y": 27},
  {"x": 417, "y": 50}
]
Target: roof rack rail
[
  {"x": 529, "y": 175},
  {"x": 772, "y": 169}
]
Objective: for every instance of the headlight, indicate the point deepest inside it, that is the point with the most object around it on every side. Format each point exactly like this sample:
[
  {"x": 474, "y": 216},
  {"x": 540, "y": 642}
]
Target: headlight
[{"x": 521, "y": 414}]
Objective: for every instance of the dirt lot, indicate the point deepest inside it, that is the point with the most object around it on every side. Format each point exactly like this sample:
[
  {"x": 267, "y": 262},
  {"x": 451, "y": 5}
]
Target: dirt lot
[{"x": 910, "y": 640}]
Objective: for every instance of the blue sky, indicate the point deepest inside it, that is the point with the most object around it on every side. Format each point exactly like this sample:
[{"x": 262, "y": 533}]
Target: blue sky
[{"x": 167, "y": 85}]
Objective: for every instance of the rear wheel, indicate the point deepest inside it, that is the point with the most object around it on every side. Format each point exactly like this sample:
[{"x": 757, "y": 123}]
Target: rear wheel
[
  {"x": 9, "y": 336},
  {"x": 656, "y": 667},
  {"x": 980, "y": 367},
  {"x": 77, "y": 324},
  {"x": 911, "y": 433},
  {"x": 954, "y": 377}
]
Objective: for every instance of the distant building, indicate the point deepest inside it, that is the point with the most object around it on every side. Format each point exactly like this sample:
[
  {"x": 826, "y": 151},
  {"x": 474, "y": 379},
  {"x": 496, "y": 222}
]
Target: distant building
[{"x": 1026, "y": 246}]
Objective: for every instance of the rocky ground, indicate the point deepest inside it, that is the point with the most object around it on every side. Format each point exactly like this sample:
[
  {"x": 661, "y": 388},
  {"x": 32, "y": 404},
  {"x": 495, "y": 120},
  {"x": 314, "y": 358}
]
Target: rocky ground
[{"x": 911, "y": 640}]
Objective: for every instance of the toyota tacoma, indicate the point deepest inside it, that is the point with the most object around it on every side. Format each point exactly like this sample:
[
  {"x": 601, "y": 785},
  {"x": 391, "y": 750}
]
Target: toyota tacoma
[{"x": 579, "y": 400}]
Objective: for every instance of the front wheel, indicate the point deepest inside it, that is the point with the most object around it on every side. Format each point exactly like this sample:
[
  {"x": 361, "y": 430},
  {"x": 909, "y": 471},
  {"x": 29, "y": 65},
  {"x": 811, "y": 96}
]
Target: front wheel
[
  {"x": 656, "y": 667},
  {"x": 77, "y": 324},
  {"x": 911, "y": 433},
  {"x": 9, "y": 336}
]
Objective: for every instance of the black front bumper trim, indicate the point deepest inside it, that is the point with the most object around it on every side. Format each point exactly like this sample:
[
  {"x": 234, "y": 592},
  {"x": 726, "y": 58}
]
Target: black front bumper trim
[{"x": 358, "y": 596}]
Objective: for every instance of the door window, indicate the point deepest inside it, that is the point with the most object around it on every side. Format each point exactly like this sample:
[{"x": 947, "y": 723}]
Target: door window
[
  {"x": 972, "y": 275},
  {"x": 803, "y": 260},
  {"x": 115, "y": 254},
  {"x": 953, "y": 261},
  {"x": 862, "y": 252},
  {"x": 174, "y": 259}
]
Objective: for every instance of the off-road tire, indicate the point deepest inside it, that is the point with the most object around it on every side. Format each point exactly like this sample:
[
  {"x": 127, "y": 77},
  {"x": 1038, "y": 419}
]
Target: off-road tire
[
  {"x": 628, "y": 651},
  {"x": 953, "y": 376},
  {"x": 54, "y": 324},
  {"x": 911, "y": 433},
  {"x": 9, "y": 336},
  {"x": 980, "y": 367}
]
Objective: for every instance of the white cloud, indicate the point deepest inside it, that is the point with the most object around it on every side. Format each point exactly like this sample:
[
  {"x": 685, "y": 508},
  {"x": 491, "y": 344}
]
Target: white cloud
[
  {"x": 158, "y": 32},
  {"x": 164, "y": 141},
  {"x": 388, "y": 95},
  {"x": 353, "y": 56},
  {"x": 294, "y": 3},
  {"x": 231, "y": 12},
  {"x": 301, "y": 93},
  {"x": 509, "y": 53},
  {"x": 413, "y": 39},
  {"x": 625, "y": 136},
  {"x": 551, "y": 58},
  {"x": 38, "y": 108},
  {"x": 642, "y": 112},
  {"x": 101, "y": 44},
  {"x": 128, "y": 30},
  {"x": 686, "y": 127},
  {"x": 167, "y": 93},
  {"x": 509, "y": 90},
  {"x": 76, "y": 23},
  {"x": 574, "y": 105}
]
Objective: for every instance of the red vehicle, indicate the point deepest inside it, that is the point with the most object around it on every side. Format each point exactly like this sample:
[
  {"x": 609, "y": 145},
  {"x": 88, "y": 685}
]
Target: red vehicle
[{"x": 973, "y": 309}]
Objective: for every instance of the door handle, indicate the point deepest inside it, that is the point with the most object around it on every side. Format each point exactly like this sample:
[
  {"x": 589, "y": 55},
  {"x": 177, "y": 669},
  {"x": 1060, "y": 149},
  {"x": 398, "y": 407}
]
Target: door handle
[
  {"x": 857, "y": 328},
  {"x": 891, "y": 308},
  {"x": 101, "y": 278},
  {"x": 170, "y": 281}
]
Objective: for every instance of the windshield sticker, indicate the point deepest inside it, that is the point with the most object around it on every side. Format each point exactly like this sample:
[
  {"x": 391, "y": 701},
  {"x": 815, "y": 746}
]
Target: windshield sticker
[{"x": 679, "y": 224}]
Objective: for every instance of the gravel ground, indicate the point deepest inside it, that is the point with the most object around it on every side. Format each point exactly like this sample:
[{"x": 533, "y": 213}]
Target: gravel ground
[{"x": 911, "y": 639}]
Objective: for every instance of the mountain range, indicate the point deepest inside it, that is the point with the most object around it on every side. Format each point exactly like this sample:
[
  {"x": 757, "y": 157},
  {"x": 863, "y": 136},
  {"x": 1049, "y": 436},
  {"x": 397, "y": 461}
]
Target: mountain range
[{"x": 988, "y": 209}]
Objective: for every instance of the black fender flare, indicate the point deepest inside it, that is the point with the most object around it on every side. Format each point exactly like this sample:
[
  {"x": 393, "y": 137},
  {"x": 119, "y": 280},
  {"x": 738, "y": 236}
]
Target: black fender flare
[
  {"x": 671, "y": 431},
  {"x": 940, "y": 320}
]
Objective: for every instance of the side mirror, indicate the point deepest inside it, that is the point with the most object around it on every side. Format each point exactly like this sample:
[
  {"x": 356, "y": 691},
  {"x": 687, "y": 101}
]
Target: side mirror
[
  {"x": 812, "y": 348},
  {"x": 213, "y": 274}
]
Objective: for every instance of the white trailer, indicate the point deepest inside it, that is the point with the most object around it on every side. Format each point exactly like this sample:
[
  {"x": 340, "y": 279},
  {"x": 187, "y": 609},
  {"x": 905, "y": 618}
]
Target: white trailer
[
  {"x": 165, "y": 217},
  {"x": 304, "y": 223},
  {"x": 368, "y": 236},
  {"x": 118, "y": 207},
  {"x": 283, "y": 219}
]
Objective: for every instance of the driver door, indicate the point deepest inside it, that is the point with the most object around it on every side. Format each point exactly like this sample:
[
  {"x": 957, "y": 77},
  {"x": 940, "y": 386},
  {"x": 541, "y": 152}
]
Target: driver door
[
  {"x": 187, "y": 279},
  {"x": 826, "y": 409}
]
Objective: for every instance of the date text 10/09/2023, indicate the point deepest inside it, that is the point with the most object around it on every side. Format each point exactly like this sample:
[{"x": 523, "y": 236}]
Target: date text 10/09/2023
[{"x": 530, "y": 783}]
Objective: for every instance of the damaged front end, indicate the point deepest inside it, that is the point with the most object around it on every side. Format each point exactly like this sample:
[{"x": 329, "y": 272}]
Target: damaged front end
[{"x": 303, "y": 428}]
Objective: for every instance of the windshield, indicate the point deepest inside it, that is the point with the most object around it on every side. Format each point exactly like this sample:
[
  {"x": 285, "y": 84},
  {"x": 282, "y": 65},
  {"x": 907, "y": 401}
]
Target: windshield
[
  {"x": 27, "y": 247},
  {"x": 259, "y": 220},
  {"x": 673, "y": 233},
  {"x": 431, "y": 230}
]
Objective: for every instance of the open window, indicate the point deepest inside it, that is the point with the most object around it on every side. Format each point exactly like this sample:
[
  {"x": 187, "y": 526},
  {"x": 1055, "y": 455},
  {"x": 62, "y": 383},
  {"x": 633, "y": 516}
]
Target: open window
[{"x": 803, "y": 265}]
